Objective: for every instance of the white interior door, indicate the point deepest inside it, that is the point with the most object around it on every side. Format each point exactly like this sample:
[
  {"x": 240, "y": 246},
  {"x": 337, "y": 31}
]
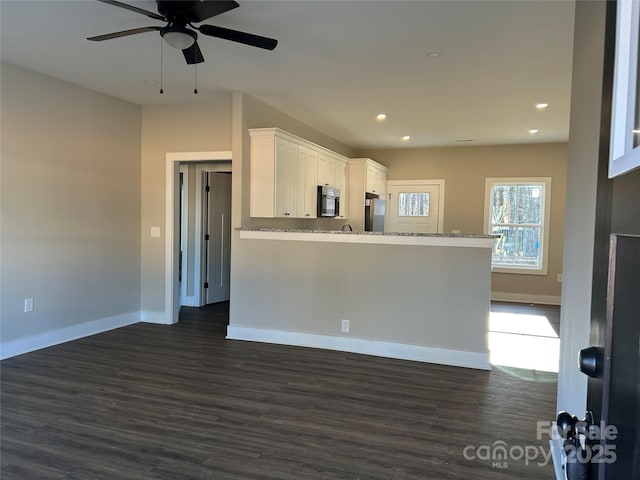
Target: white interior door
[
  {"x": 414, "y": 208},
  {"x": 217, "y": 236}
]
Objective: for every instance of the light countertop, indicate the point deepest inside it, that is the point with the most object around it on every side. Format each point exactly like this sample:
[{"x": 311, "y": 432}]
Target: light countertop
[{"x": 391, "y": 238}]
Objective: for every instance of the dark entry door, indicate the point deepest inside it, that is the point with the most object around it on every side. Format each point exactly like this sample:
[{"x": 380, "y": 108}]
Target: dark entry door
[{"x": 615, "y": 397}]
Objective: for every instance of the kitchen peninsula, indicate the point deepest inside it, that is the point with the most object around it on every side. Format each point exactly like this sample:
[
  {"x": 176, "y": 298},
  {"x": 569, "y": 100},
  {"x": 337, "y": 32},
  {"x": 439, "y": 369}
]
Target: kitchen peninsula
[{"x": 422, "y": 297}]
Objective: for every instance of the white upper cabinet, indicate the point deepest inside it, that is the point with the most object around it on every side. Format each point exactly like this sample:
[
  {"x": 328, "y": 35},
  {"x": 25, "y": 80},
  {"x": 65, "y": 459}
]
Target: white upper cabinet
[
  {"x": 286, "y": 179},
  {"x": 376, "y": 179},
  {"x": 307, "y": 182},
  {"x": 285, "y": 173},
  {"x": 326, "y": 169}
]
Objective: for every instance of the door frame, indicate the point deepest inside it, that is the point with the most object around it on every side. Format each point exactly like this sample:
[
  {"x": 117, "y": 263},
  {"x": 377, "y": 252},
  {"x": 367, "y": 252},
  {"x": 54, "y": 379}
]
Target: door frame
[
  {"x": 172, "y": 224},
  {"x": 421, "y": 183}
]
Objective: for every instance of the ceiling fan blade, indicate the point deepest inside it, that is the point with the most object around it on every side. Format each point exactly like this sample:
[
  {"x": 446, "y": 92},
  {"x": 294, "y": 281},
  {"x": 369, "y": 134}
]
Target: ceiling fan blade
[
  {"x": 124, "y": 33},
  {"x": 133, "y": 9},
  {"x": 209, "y": 8},
  {"x": 240, "y": 37},
  {"x": 193, "y": 54}
]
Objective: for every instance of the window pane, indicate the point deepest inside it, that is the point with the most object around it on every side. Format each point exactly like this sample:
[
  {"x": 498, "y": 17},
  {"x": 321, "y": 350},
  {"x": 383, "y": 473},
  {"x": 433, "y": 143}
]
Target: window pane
[
  {"x": 413, "y": 205},
  {"x": 518, "y": 246},
  {"x": 516, "y": 204}
]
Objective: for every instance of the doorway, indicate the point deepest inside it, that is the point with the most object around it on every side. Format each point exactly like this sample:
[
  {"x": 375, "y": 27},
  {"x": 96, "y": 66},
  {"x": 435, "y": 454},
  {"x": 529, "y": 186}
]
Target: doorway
[
  {"x": 415, "y": 206},
  {"x": 205, "y": 233},
  {"x": 222, "y": 159}
]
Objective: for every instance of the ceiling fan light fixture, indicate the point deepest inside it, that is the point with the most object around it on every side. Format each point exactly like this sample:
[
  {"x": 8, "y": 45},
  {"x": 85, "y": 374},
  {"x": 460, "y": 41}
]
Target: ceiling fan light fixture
[{"x": 178, "y": 37}]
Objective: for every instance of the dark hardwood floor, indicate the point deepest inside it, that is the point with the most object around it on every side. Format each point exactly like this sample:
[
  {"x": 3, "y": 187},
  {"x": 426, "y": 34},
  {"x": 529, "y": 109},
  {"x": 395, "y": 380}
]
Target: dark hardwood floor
[{"x": 181, "y": 402}]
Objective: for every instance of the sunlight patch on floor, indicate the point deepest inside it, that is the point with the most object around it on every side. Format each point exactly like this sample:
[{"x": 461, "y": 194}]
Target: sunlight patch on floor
[{"x": 523, "y": 341}]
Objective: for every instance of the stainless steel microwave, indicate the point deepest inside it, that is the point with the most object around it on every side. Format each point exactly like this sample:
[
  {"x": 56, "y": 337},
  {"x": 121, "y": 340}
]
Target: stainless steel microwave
[{"x": 328, "y": 201}]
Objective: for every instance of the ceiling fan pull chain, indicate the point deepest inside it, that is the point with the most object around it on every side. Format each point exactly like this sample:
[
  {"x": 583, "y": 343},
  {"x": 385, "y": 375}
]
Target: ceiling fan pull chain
[
  {"x": 195, "y": 79},
  {"x": 161, "y": 90}
]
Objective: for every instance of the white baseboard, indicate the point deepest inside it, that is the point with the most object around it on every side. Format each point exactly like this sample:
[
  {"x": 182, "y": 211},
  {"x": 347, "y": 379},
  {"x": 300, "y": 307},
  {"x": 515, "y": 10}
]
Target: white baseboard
[
  {"x": 11, "y": 348},
  {"x": 559, "y": 457},
  {"x": 400, "y": 351},
  {"x": 149, "y": 316},
  {"x": 525, "y": 298}
]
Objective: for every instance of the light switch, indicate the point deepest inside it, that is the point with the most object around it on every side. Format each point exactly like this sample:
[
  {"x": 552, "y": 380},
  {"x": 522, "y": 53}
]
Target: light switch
[{"x": 155, "y": 232}]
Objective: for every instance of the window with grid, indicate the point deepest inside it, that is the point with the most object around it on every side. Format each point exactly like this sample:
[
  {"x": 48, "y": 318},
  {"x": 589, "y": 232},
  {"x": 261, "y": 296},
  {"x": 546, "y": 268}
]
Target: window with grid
[
  {"x": 518, "y": 211},
  {"x": 413, "y": 204}
]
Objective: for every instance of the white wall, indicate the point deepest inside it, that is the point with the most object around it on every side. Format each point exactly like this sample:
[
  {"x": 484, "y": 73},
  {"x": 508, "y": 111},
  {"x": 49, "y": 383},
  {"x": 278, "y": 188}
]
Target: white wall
[
  {"x": 582, "y": 170},
  {"x": 70, "y": 196}
]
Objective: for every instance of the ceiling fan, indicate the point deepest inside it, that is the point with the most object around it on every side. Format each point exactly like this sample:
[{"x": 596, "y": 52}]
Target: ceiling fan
[{"x": 180, "y": 31}]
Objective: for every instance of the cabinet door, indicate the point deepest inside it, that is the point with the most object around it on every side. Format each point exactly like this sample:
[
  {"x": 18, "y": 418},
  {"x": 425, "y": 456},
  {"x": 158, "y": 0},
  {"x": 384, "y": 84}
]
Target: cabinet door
[
  {"x": 370, "y": 179},
  {"x": 307, "y": 183},
  {"x": 326, "y": 169},
  {"x": 342, "y": 182},
  {"x": 381, "y": 183},
  {"x": 286, "y": 178},
  {"x": 376, "y": 181}
]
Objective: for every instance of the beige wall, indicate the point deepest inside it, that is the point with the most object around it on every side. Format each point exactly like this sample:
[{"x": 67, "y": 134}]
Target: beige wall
[
  {"x": 464, "y": 170},
  {"x": 196, "y": 127},
  {"x": 70, "y": 196},
  {"x": 430, "y": 296}
]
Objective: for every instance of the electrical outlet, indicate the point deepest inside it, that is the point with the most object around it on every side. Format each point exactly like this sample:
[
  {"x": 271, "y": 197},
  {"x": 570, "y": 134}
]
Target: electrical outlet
[
  {"x": 345, "y": 326},
  {"x": 28, "y": 305},
  {"x": 559, "y": 278}
]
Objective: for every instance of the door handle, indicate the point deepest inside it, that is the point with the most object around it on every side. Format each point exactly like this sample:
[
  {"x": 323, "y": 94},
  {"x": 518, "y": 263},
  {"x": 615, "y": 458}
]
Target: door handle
[
  {"x": 591, "y": 361},
  {"x": 578, "y": 457}
]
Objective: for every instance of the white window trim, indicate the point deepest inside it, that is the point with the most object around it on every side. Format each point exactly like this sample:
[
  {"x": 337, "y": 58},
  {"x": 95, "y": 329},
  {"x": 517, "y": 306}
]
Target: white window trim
[
  {"x": 622, "y": 156},
  {"x": 546, "y": 181}
]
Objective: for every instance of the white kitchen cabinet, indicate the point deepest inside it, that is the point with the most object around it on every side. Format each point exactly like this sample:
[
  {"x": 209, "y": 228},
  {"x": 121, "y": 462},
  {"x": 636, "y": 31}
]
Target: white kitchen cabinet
[
  {"x": 326, "y": 169},
  {"x": 286, "y": 180},
  {"x": 376, "y": 179},
  {"x": 307, "y": 182},
  {"x": 285, "y": 172},
  {"x": 273, "y": 174}
]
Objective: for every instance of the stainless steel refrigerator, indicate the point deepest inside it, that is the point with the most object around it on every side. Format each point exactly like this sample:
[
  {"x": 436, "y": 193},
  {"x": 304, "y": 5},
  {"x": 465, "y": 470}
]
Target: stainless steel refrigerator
[{"x": 374, "y": 211}]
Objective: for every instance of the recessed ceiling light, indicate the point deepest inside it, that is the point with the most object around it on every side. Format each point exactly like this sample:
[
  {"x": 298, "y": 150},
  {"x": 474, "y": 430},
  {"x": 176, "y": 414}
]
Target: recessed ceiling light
[
  {"x": 434, "y": 54},
  {"x": 533, "y": 131},
  {"x": 151, "y": 82},
  {"x": 381, "y": 116},
  {"x": 541, "y": 106},
  {"x": 464, "y": 140},
  {"x": 406, "y": 137}
]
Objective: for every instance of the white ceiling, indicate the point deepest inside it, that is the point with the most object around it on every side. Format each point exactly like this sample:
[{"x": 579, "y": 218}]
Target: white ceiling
[{"x": 337, "y": 64}]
